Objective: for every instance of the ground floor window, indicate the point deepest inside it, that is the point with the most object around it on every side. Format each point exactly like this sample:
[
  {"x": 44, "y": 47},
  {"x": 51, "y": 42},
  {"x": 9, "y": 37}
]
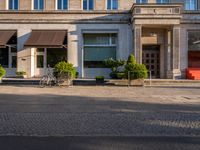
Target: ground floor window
[
  {"x": 4, "y": 57},
  {"x": 50, "y": 56},
  {"x": 97, "y": 48},
  {"x": 14, "y": 62},
  {"x": 194, "y": 49},
  {"x": 40, "y": 61},
  {"x": 55, "y": 55}
]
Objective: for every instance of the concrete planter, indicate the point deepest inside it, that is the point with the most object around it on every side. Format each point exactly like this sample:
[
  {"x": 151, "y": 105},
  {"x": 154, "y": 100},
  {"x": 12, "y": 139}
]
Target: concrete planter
[
  {"x": 22, "y": 76},
  {"x": 65, "y": 82},
  {"x": 137, "y": 82}
]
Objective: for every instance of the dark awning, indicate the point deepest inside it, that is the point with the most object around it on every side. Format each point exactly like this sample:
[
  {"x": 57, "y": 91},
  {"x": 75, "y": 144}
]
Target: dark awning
[
  {"x": 46, "y": 39},
  {"x": 5, "y": 36}
]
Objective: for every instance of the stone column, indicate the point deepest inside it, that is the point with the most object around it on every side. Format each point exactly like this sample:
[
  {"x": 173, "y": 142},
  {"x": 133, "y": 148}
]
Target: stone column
[
  {"x": 137, "y": 43},
  {"x": 169, "y": 54},
  {"x": 176, "y": 53}
]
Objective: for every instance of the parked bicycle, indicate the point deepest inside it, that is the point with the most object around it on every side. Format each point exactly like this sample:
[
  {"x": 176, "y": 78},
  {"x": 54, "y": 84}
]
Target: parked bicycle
[{"x": 48, "y": 79}]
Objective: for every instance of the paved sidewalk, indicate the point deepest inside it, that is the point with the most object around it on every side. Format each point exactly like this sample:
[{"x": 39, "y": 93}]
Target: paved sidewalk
[{"x": 99, "y": 111}]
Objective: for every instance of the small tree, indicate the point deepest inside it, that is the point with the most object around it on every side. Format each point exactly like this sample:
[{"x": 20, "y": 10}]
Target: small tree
[
  {"x": 64, "y": 68},
  {"x": 114, "y": 66},
  {"x": 2, "y": 71},
  {"x": 131, "y": 59},
  {"x": 133, "y": 70}
]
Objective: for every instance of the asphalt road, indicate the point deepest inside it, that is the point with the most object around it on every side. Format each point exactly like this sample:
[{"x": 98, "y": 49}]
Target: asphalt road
[{"x": 99, "y": 143}]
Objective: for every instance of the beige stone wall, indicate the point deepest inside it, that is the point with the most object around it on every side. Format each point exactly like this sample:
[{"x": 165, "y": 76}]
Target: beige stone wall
[
  {"x": 25, "y": 5},
  {"x": 50, "y": 5},
  {"x": 75, "y": 4},
  {"x": 100, "y": 5},
  {"x": 2, "y": 4},
  {"x": 125, "y": 5}
]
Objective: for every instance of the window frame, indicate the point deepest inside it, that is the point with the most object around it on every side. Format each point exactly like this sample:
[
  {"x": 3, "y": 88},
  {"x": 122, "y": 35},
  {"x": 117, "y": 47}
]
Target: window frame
[
  {"x": 33, "y": 5},
  {"x": 141, "y": 2},
  {"x": 190, "y": 2},
  {"x": 162, "y": 2},
  {"x": 62, "y": 6},
  {"x": 112, "y": 5},
  {"x": 88, "y": 5},
  {"x": 109, "y": 45},
  {"x": 13, "y": 6}
]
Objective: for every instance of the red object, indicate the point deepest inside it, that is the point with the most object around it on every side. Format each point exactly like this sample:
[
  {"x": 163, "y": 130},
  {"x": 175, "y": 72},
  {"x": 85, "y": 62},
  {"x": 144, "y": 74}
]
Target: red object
[{"x": 193, "y": 73}]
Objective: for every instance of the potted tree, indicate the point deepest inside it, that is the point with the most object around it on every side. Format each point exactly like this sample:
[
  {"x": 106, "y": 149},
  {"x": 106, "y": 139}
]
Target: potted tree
[
  {"x": 115, "y": 65},
  {"x": 135, "y": 73},
  {"x": 2, "y": 73},
  {"x": 99, "y": 79},
  {"x": 64, "y": 72}
]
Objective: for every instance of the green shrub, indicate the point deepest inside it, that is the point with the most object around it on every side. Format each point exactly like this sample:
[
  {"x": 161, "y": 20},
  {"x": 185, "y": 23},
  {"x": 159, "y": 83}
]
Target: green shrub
[
  {"x": 114, "y": 65},
  {"x": 20, "y": 73},
  {"x": 64, "y": 69},
  {"x": 136, "y": 71},
  {"x": 120, "y": 75},
  {"x": 133, "y": 70},
  {"x": 99, "y": 77},
  {"x": 2, "y": 71},
  {"x": 131, "y": 59}
]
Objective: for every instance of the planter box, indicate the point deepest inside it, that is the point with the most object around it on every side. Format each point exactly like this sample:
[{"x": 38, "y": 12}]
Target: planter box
[
  {"x": 100, "y": 81},
  {"x": 22, "y": 76},
  {"x": 137, "y": 82},
  {"x": 65, "y": 82}
]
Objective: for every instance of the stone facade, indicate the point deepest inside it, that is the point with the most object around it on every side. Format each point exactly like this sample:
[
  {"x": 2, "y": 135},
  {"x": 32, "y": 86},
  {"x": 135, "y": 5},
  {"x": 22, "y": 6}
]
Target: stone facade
[{"x": 135, "y": 24}]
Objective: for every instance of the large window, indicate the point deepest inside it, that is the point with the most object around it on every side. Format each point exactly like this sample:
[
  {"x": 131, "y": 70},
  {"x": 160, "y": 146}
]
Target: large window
[
  {"x": 194, "y": 49},
  {"x": 141, "y": 1},
  {"x": 38, "y": 4},
  {"x": 13, "y": 4},
  {"x": 112, "y": 4},
  {"x": 162, "y": 1},
  {"x": 194, "y": 40},
  {"x": 97, "y": 48},
  {"x": 55, "y": 55},
  {"x": 4, "y": 57},
  {"x": 190, "y": 4},
  {"x": 88, "y": 4},
  {"x": 62, "y": 4}
]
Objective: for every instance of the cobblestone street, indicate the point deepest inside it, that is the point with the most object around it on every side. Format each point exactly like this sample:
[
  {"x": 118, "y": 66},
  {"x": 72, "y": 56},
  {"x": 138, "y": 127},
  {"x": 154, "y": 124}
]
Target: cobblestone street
[{"x": 99, "y": 111}]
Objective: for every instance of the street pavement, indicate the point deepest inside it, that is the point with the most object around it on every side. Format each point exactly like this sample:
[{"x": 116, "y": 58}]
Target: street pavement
[
  {"x": 89, "y": 116},
  {"x": 99, "y": 143}
]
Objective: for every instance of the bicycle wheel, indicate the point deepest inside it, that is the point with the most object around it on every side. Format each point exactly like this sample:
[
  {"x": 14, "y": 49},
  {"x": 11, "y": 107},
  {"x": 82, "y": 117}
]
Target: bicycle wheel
[{"x": 43, "y": 81}]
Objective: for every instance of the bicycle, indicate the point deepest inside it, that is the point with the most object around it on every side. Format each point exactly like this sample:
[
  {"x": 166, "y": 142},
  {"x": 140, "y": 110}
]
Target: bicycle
[{"x": 48, "y": 79}]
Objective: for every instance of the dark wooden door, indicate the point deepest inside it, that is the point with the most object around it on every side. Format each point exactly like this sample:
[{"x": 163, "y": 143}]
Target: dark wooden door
[{"x": 151, "y": 58}]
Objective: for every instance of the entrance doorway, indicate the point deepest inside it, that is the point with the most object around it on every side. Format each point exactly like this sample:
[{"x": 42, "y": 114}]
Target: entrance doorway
[{"x": 151, "y": 58}]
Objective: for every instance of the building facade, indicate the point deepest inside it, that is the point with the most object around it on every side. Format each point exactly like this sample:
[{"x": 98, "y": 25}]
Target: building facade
[{"x": 162, "y": 34}]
